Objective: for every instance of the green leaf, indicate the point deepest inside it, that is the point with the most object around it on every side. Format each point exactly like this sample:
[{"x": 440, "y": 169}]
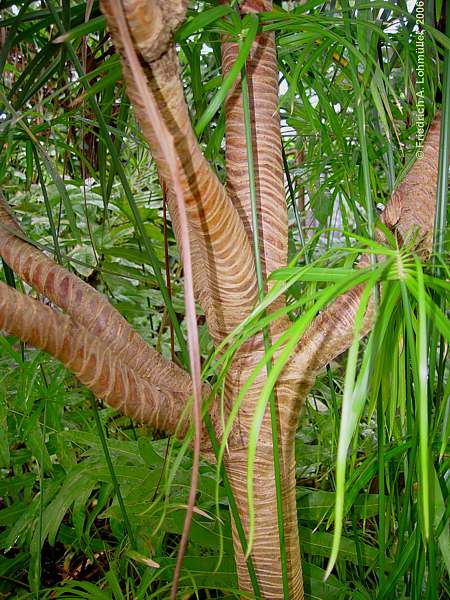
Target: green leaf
[
  {"x": 85, "y": 28},
  {"x": 4, "y": 435},
  {"x": 219, "y": 98},
  {"x": 200, "y": 21}
]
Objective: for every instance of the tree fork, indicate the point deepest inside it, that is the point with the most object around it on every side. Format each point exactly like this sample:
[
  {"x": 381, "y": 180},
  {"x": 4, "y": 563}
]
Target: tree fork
[
  {"x": 226, "y": 289},
  {"x": 223, "y": 268}
]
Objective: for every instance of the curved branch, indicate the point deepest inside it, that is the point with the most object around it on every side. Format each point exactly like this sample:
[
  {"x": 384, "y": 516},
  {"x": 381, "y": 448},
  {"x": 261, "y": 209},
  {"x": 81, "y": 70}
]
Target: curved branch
[
  {"x": 91, "y": 314},
  {"x": 410, "y": 217},
  {"x": 92, "y": 361},
  {"x": 224, "y": 272},
  {"x": 412, "y": 208},
  {"x": 85, "y": 305},
  {"x": 332, "y": 332},
  {"x": 262, "y": 77}
]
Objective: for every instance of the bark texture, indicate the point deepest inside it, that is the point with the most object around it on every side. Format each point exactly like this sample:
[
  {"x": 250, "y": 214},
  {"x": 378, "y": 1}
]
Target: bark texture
[
  {"x": 93, "y": 362},
  {"x": 410, "y": 213},
  {"x": 223, "y": 266},
  {"x": 266, "y": 548},
  {"x": 85, "y": 305},
  {"x": 262, "y": 78}
]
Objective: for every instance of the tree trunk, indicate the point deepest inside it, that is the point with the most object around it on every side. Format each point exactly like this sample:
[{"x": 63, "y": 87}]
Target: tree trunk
[
  {"x": 290, "y": 390},
  {"x": 266, "y": 546},
  {"x": 105, "y": 353}
]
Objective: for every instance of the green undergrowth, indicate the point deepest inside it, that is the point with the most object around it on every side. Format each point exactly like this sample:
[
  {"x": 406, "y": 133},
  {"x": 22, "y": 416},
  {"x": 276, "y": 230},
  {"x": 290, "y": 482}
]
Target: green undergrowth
[
  {"x": 59, "y": 508},
  {"x": 64, "y": 533},
  {"x": 80, "y": 519}
]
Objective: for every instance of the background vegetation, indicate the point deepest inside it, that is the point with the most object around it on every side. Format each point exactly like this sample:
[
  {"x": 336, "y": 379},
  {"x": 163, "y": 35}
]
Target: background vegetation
[{"x": 90, "y": 505}]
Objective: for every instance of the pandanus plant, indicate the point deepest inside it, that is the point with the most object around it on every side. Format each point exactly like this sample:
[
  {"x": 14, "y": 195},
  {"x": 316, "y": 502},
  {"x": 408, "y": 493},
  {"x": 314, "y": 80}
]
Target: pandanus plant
[{"x": 234, "y": 236}]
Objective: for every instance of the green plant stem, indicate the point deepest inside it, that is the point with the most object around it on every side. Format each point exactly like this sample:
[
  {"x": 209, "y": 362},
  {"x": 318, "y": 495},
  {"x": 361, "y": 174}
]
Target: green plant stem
[
  {"x": 440, "y": 216},
  {"x": 233, "y": 507},
  {"x": 115, "y": 483},
  {"x": 41, "y": 492},
  {"x": 442, "y": 183},
  {"x": 266, "y": 335},
  {"x": 294, "y": 205},
  {"x": 47, "y": 206},
  {"x": 413, "y": 430},
  {"x": 361, "y": 119},
  {"x": 381, "y": 497},
  {"x": 334, "y": 405},
  {"x": 411, "y": 342}
]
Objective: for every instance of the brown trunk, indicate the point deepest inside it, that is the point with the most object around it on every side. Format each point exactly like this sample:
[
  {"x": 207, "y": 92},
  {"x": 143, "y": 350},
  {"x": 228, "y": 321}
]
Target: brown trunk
[
  {"x": 262, "y": 78},
  {"x": 266, "y": 546},
  {"x": 97, "y": 344},
  {"x": 290, "y": 391}
]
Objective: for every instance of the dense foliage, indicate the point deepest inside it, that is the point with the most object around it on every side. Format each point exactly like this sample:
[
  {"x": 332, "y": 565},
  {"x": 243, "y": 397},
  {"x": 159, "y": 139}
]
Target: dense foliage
[{"x": 92, "y": 506}]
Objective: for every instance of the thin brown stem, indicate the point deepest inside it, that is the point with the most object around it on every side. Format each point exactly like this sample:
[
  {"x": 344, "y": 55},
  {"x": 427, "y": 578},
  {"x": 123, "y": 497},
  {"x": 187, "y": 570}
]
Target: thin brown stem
[{"x": 167, "y": 146}]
